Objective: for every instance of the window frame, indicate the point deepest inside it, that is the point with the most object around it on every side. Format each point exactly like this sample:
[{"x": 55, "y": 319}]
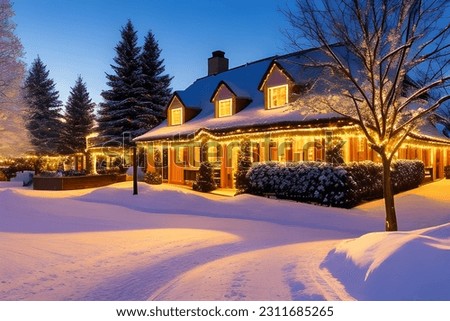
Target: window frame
[
  {"x": 219, "y": 102},
  {"x": 270, "y": 90},
  {"x": 180, "y": 109}
]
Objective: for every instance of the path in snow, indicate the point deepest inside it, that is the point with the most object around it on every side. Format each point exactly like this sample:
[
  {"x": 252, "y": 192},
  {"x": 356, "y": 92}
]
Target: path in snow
[{"x": 284, "y": 273}]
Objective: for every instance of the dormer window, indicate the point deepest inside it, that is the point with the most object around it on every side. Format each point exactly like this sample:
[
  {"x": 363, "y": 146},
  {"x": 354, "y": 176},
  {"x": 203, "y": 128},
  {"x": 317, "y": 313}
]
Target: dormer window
[
  {"x": 228, "y": 100},
  {"x": 178, "y": 113},
  {"x": 176, "y": 116},
  {"x": 277, "y": 96},
  {"x": 225, "y": 107},
  {"x": 277, "y": 84}
]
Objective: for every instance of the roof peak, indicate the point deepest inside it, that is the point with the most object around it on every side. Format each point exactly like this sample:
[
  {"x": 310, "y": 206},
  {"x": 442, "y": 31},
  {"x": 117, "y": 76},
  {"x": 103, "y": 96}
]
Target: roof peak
[{"x": 272, "y": 58}]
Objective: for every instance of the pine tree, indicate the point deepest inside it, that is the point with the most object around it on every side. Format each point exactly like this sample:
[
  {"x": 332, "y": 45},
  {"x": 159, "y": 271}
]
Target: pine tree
[
  {"x": 244, "y": 164},
  {"x": 118, "y": 112},
  {"x": 205, "y": 178},
  {"x": 44, "y": 107},
  {"x": 156, "y": 86},
  {"x": 79, "y": 119},
  {"x": 13, "y": 136}
]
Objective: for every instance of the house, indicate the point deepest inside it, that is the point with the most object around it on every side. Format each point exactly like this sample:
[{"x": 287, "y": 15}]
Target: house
[{"x": 208, "y": 121}]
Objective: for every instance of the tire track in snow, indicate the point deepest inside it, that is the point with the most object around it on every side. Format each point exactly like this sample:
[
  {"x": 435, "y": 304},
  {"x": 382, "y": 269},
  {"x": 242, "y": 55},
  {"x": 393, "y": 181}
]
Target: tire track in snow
[
  {"x": 287, "y": 272},
  {"x": 141, "y": 283},
  {"x": 321, "y": 284}
]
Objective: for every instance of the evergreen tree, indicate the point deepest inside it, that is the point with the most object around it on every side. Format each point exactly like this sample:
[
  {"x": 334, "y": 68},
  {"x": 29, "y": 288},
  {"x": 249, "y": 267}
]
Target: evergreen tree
[
  {"x": 13, "y": 136},
  {"x": 79, "y": 119},
  {"x": 333, "y": 151},
  {"x": 205, "y": 178},
  {"x": 244, "y": 164},
  {"x": 156, "y": 86},
  {"x": 44, "y": 107},
  {"x": 119, "y": 111}
]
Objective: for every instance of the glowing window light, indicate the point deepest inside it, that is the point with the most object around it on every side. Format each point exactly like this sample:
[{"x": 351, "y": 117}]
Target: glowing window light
[
  {"x": 278, "y": 96},
  {"x": 176, "y": 116},
  {"x": 225, "y": 107}
]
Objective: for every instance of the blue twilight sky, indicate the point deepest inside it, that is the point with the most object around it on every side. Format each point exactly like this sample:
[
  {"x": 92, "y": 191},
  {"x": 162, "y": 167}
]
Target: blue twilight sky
[{"x": 77, "y": 37}]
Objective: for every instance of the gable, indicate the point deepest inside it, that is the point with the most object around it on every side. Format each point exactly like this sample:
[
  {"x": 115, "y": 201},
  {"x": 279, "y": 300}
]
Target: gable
[
  {"x": 175, "y": 111},
  {"x": 175, "y": 102},
  {"x": 275, "y": 76},
  {"x": 222, "y": 92}
]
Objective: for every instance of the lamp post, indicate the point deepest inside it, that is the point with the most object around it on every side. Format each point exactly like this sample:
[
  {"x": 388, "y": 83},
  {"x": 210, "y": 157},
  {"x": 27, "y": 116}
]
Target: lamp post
[{"x": 135, "y": 185}]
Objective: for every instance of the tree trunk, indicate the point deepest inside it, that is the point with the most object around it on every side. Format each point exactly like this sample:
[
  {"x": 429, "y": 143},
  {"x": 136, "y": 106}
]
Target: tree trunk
[{"x": 388, "y": 194}]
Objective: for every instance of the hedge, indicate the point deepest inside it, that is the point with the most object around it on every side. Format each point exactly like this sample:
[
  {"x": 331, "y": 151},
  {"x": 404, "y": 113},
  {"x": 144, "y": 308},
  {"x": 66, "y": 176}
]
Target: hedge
[{"x": 322, "y": 183}]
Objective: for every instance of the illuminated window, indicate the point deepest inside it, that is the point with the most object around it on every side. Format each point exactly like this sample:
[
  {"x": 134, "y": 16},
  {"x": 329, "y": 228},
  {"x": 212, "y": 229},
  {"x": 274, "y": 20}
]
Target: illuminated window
[
  {"x": 311, "y": 153},
  {"x": 288, "y": 151},
  {"x": 212, "y": 154},
  {"x": 225, "y": 107},
  {"x": 176, "y": 116},
  {"x": 361, "y": 144},
  {"x": 182, "y": 155},
  {"x": 278, "y": 96},
  {"x": 255, "y": 153},
  {"x": 197, "y": 156}
]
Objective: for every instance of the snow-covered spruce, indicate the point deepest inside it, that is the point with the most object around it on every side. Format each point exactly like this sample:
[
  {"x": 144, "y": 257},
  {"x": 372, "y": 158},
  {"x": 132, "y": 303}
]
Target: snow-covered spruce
[
  {"x": 138, "y": 91},
  {"x": 43, "y": 109}
]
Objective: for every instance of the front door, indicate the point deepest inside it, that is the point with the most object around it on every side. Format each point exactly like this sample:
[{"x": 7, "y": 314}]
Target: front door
[{"x": 438, "y": 163}]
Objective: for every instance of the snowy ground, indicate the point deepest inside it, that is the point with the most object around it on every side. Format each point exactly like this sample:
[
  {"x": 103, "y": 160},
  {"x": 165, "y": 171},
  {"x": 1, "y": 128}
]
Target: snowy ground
[{"x": 169, "y": 243}]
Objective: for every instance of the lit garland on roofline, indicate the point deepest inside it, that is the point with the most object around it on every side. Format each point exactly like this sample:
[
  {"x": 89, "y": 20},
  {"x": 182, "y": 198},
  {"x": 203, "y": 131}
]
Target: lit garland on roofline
[
  {"x": 260, "y": 131},
  {"x": 291, "y": 130}
]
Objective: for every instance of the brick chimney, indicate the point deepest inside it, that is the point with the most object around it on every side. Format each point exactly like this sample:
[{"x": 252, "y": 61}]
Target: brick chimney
[{"x": 217, "y": 63}]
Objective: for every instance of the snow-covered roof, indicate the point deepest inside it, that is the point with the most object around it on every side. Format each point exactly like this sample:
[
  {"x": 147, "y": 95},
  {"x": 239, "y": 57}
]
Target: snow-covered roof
[
  {"x": 428, "y": 131},
  {"x": 245, "y": 81}
]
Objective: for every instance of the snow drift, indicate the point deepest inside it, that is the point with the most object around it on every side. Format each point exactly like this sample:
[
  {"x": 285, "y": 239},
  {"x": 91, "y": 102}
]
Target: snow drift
[{"x": 395, "y": 266}]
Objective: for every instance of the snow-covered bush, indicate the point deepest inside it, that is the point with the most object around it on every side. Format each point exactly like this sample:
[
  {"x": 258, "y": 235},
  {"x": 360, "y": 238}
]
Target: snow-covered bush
[
  {"x": 339, "y": 186},
  {"x": 73, "y": 172},
  {"x": 407, "y": 174},
  {"x": 48, "y": 174},
  {"x": 368, "y": 177},
  {"x": 205, "y": 178},
  {"x": 310, "y": 182},
  {"x": 153, "y": 178}
]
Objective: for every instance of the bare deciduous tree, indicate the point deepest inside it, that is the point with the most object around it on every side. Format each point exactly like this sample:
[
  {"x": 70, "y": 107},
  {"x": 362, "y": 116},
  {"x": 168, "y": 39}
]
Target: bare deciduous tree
[
  {"x": 442, "y": 118},
  {"x": 13, "y": 137},
  {"x": 392, "y": 59}
]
